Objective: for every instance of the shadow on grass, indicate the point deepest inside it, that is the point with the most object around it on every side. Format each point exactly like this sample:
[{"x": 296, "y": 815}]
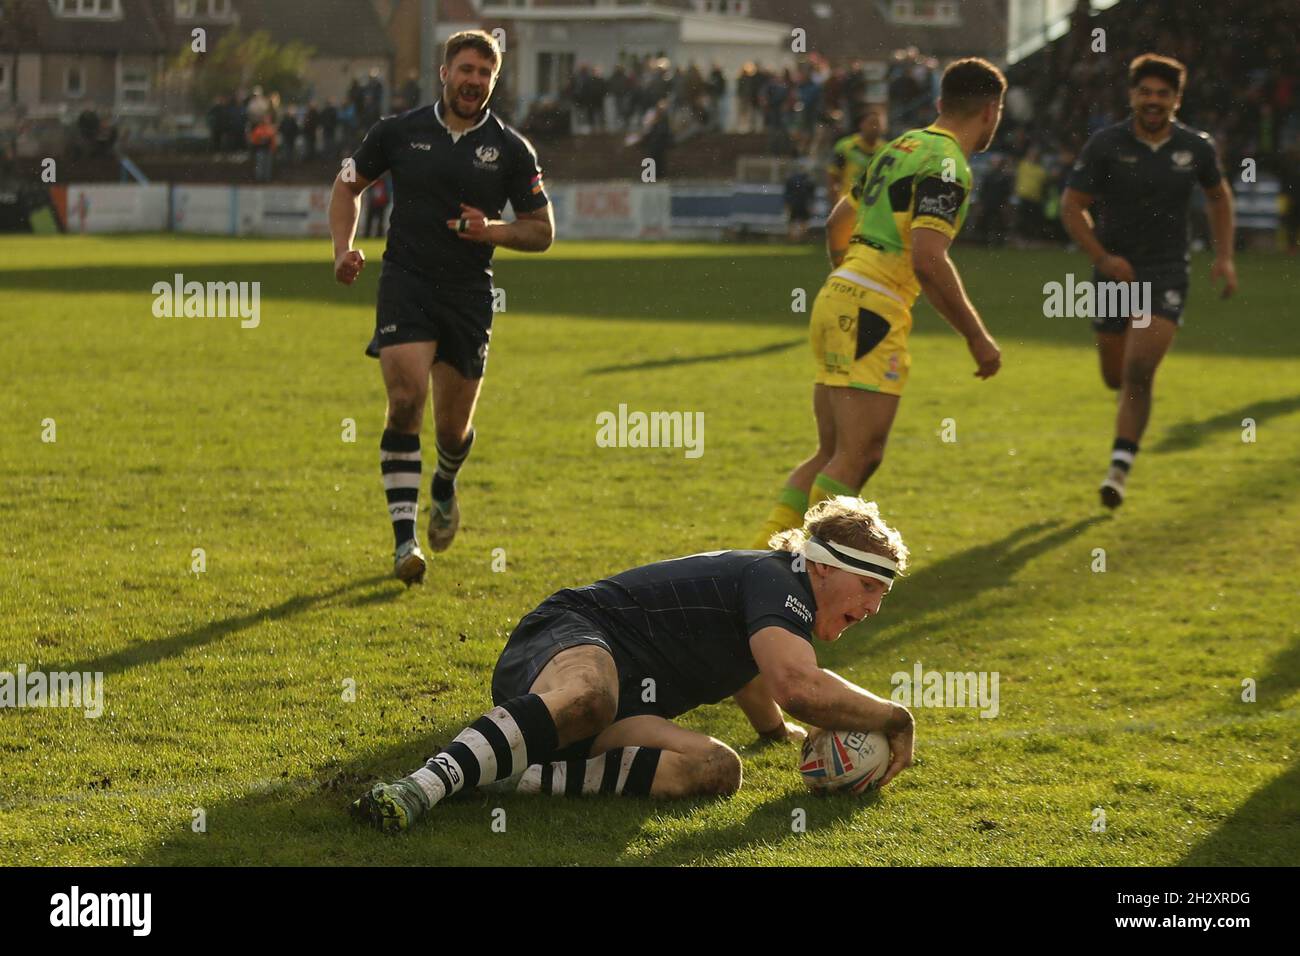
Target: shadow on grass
[
  {"x": 152, "y": 651},
  {"x": 697, "y": 359},
  {"x": 955, "y": 580},
  {"x": 1188, "y": 435},
  {"x": 305, "y": 822},
  {"x": 1265, "y": 830},
  {"x": 732, "y": 288}
]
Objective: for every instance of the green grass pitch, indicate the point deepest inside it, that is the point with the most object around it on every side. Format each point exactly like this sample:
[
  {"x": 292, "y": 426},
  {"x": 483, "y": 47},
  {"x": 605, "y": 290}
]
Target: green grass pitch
[{"x": 224, "y": 690}]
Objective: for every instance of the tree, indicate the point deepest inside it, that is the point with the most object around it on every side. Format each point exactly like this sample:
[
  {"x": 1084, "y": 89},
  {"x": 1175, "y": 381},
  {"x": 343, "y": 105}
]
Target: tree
[{"x": 239, "y": 62}]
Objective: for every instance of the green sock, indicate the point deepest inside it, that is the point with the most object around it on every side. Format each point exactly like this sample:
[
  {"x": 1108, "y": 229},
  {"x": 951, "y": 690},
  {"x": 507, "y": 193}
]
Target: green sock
[
  {"x": 826, "y": 487},
  {"x": 788, "y": 513}
]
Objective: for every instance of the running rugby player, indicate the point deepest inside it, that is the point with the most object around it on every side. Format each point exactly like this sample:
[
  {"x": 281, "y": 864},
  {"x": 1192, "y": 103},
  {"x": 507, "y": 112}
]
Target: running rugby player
[
  {"x": 1141, "y": 171},
  {"x": 454, "y": 167}
]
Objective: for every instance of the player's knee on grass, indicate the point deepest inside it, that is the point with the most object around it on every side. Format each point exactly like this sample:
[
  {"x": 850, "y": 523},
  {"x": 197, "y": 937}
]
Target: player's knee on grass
[
  {"x": 718, "y": 770},
  {"x": 588, "y": 709},
  {"x": 709, "y": 770}
]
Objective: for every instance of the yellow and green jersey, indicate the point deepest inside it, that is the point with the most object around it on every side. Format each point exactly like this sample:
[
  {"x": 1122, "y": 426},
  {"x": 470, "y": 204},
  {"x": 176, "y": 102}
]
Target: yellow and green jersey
[
  {"x": 919, "y": 181},
  {"x": 850, "y": 159}
]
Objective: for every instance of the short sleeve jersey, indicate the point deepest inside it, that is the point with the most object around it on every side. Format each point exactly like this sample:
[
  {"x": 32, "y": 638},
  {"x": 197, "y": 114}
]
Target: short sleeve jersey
[
  {"x": 435, "y": 170},
  {"x": 686, "y": 623},
  {"x": 920, "y": 180},
  {"x": 1143, "y": 192}
]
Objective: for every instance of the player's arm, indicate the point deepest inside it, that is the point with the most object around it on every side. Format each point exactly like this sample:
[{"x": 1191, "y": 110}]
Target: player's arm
[
  {"x": 532, "y": 231},
  {"x": 943, "y": 288},
  {"x": 344, "y": 213},
  {"x": 1077, "y": 221},
  {"x": 789, "y": 668},
  {"x": 755, "y": 700},
  {"x": 1219, "y": 207},
  {"x": 839, "y": 230}
]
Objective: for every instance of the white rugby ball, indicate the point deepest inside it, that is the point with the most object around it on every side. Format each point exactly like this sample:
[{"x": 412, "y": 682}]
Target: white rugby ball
[{"x": 844, "y": 761}]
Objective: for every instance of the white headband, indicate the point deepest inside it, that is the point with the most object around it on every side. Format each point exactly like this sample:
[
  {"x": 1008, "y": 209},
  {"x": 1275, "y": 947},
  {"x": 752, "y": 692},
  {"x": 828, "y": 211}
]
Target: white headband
[{"x": 864, "y": 563}]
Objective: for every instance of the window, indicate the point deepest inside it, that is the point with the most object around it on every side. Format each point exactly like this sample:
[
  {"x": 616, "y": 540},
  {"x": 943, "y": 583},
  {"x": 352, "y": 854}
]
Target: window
[
  {"x": 74, "y": 83},
  {"x": 554, "y": 70},
  {"x": 100, "y": 9},
  {"x": 735, "y": 8},
  {"x": 930, "y": 13},
  {"x": 204, "y": 9},
  {"x": 135, "y": 84}
]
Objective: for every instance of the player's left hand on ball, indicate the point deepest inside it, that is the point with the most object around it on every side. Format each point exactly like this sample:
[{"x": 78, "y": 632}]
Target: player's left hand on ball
[
  {"x": 1226, "y": 270},
  {"x": 900, "y": 748},
  {"x": 472, "y": 224}
]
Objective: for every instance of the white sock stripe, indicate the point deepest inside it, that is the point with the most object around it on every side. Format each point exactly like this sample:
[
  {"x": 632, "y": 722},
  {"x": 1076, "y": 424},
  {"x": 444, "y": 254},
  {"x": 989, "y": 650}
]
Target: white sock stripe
[
  {"x": 482, "y": 750},
  {"x": 403, "y": 510},
  {"x": 531, "y": 781},
  {"x": 629, "y": 754},
  {"x": 398, "y": 455},
  {"x": 402, "y": 479},
  {"x": 595, "y": 773},
  {"x": 428, "y": 782},
  {"x": 514, "y": 738},
  {"x": 1120, "y": 455}
]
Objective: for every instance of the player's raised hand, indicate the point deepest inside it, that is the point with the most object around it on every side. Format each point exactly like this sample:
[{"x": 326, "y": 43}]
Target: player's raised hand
[
  {"x": 1117, "y": 268},
  {"x": 987, "y": 355},
  {"x": 1225, "y": 269},
  {"x": 348, "y": 265},
  {"x": 472, "y": 224}
]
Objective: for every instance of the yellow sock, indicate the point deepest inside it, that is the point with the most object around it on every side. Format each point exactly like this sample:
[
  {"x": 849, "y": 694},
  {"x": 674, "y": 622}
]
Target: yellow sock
[
  {"x": 786, "y": 514},
  {"x": 825, "y": 487}
]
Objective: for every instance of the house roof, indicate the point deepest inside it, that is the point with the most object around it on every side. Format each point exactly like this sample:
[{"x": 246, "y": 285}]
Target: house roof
[
  {"x": 137, "y": 30},
  {"x": 330, "y": 27}
]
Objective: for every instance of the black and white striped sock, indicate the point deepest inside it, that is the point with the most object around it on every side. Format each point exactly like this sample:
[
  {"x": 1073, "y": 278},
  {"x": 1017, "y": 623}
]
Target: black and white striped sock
[
  {"x": 1122, "y": 454},
  {"x": 501, "y": 743},
  {"x": 449, "y": 463},
  {"x": 625, "y": 770},
  {"x": 399, "y": 462}
]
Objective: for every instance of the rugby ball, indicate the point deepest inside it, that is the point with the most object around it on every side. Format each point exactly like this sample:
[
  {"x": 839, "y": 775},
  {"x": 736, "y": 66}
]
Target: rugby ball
[{"x": 844, "y": 761}]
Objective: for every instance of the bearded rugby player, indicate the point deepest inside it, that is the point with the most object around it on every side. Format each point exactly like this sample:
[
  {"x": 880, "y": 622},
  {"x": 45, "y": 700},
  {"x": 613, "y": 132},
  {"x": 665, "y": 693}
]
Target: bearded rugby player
[{"x": 454, "y": 166}]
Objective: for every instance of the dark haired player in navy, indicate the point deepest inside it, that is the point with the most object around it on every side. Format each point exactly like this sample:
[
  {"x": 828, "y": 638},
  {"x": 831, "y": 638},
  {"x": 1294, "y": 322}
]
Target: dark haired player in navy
[
  {"x": 454, "y": 167},
  {"x": 588, "y": 684},
  {"x": 1142, "y": 171}
]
